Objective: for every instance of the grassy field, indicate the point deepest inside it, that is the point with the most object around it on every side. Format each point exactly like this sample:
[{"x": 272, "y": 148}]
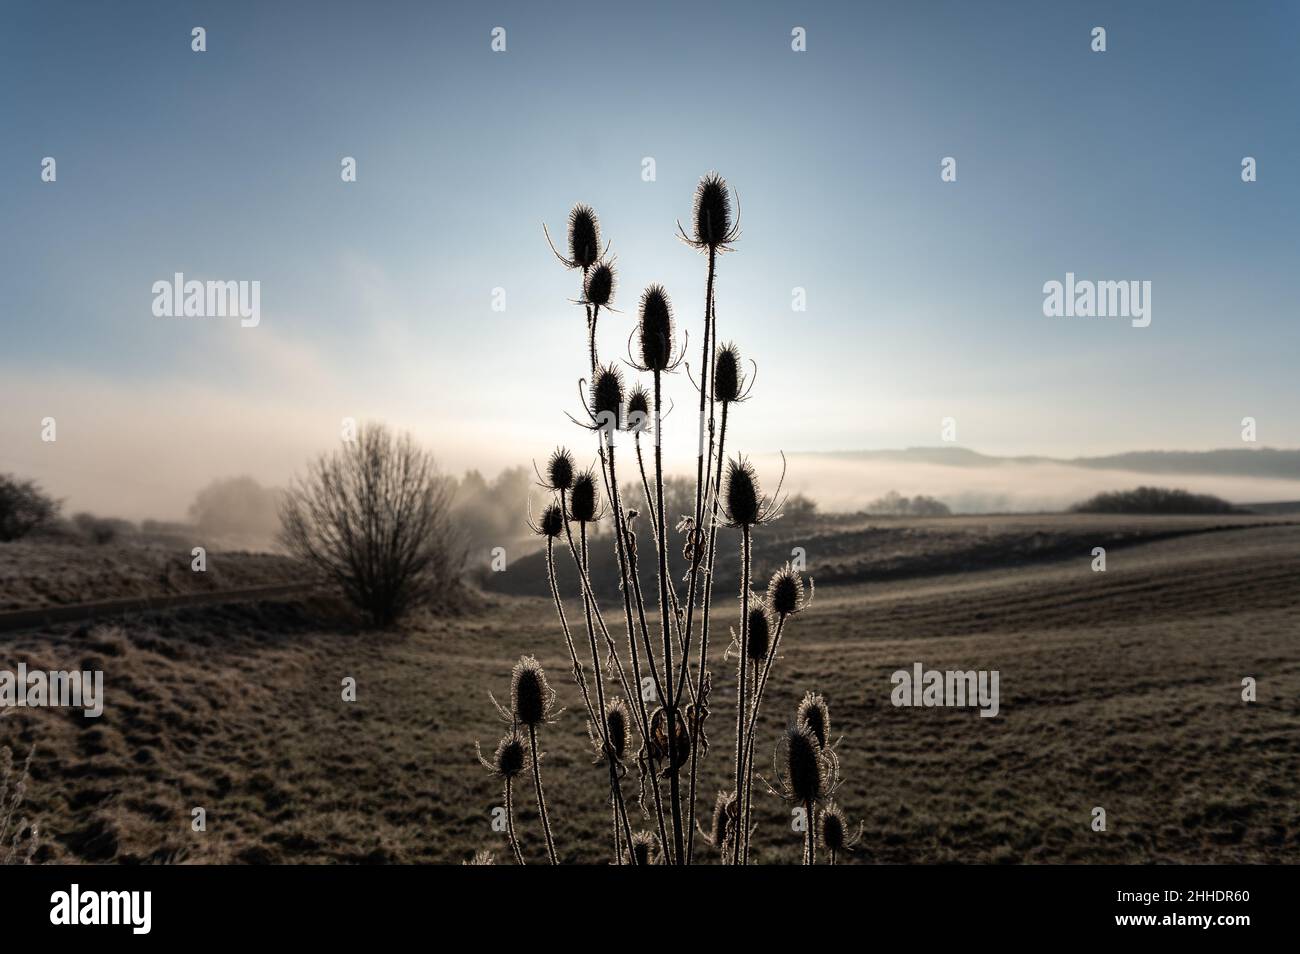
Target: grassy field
[{"x": 1118, "y": 689}]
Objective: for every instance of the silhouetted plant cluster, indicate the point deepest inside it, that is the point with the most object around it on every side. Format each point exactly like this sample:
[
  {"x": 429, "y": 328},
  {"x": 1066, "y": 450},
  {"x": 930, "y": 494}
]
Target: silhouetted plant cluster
[{"x": 646, "y": 690}]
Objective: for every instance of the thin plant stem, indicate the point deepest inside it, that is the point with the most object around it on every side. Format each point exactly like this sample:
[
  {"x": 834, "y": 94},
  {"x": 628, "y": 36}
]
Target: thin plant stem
[
  {"x": 704, "y": 632},
  {"x": 670, "y": 703},
  {"x": 541, "y": 796},
  {"x": 812, "y": 834},
  {"x": 568, "y": 636},
  {"x": 510, "y": 823},
  {"x": 760, "y": 687},
  {"x": 741, "y": 773}
]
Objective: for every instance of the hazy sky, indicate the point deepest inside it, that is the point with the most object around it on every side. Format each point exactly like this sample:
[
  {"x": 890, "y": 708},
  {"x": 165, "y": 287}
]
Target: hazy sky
[{"x": 924, "y": 298}]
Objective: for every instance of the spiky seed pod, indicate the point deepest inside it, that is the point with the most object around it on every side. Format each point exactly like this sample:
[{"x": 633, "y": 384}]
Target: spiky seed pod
[
  {"x": 559, "y": 469},
  {"x": 481, "y": 857},
  {"x": 712, "y": 212},
  {"x": 727, "y": 376},
  {"x": 552, "y": 523},
  {"x": 743, "y": 503},
  {"x": 638, "y": 408},
  {"x": 599, "y": 289},
  {"x": 659, "y": 740},
  {"x": 657, "y": 329},
  {"x": 785, "y": 592},
  {"x": 759, "y": 637},
  {"x": 834, "y": 829},
  {"x": 583, "y": 499},
  {"x": 584, "y": 236},
  {"x": 616, "y": 726},
  {"x": 803, "y": 765},
  {"x": 607, "y": 396},
  {"x": 644, "y": 849},
  {"x": 510, "y": 757},
  {"x": 726, "y": 809},
  {"x": 815, "y": 716},
  {"x": 531, "y": 697}
]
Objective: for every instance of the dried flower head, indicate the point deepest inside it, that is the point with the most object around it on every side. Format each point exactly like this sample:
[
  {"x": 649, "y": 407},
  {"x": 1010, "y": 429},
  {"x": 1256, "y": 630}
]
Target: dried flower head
[
  {"x": 834, "y": 830},
  {"x": 711, "y": 217},
  {"x": 644, "y": 849},
  {"x": 606, "y": 397},
  {"x": 560, "y": 470},
  {"x": 728, "y": 378},
  {"x": 785, "y": 592},
  {"x": 584, "y": 499},
  {"x": 726, "y": 812},
  {"x": 481, "y": 857},
  {"x": 584, "y": 239},
  {"x": 616, "y": 724},
  {"x": 656, "y": 330},
  {"x": 805, "y": 772},
  {"x": 551, "y": 524},
  {"x": 815, "y": 716},
  {"x": 510, "y": 757},
  {"x": 638, "y": 408},
  {"x": 759, "y": 635},
  {"x": 584, "y": 236},
  {"x": 743, "y": 503},
  {"x": 531, "y": 697},
  {"x": 599, "y": 287}
]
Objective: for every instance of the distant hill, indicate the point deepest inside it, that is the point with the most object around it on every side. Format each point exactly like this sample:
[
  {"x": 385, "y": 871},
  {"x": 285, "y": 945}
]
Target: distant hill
[{"x": 1263, "y": 462}]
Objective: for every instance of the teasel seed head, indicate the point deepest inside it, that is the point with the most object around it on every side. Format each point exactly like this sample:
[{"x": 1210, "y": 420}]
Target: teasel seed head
[
  {"x": 599, "y": 289},
  {"x": 726, "y": 810},
  {"x": 531, "y": 697},
  {"x": 607, "y": 396},
  {"x": 644, "y": 849},
  {"x": 785, "y": 592},
  {"x": 616, "y": 721},
  {"x": 560, "y": 470},
  {"x": 584, "y": 236},
  {"x": 728, "y": 379},
  {"x": 712, "y": 213},
  {"x": 834, "y": 829},
  {"x": 510, "y": 757},
  {"x": 759, "y": 636},
  {"x": 481, "y": 857},
  {"x": 743, "y": 503},
  {"x": 638, "y": 408},
  {"x": 552, "y": 523},
  {"x": 584, "y": 499},
  {"x": 657, "y": 329},
  {"x": 815, "y": 716},
  {"x": 803, "y": 766}
]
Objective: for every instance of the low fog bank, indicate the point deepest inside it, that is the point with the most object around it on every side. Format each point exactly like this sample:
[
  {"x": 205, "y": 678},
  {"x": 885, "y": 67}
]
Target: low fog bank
[{"x": 840, "y": 485}]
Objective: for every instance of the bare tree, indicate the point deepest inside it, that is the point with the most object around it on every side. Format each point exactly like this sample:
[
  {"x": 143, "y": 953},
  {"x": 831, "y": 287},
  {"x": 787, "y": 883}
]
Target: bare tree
[{"x": 373, "y": 516}]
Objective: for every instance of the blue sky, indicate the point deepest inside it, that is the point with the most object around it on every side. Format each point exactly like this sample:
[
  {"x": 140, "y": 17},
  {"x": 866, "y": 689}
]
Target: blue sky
[{"x": 924, "y": 297}]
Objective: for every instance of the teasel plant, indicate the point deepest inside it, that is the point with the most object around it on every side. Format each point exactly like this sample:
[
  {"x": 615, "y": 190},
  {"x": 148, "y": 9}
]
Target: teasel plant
[
  {"x": 532, "y": 705},
  {"x": 508, "y": 762},
  {"x": 646, "y": 698}
]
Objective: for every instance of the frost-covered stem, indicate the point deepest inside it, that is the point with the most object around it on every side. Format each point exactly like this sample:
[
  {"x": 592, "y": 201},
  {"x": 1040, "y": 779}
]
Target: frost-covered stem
[
  {"x": 741, "y": 767},
  {"x": 568, "y": 636},
  {"x": 704, "y": 628},
  {"x": 759, "y": 688},
  {"x": 541, "y": 796},
  {"x": 510, "y": 823}
]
